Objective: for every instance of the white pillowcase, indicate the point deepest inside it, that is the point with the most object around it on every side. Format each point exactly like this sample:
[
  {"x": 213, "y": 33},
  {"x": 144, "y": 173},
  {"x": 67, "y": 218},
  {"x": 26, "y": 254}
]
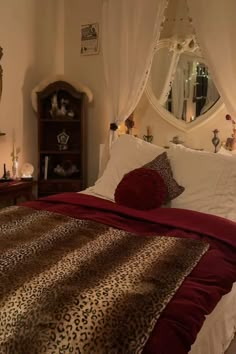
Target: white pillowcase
[
  {"x": 223, "y": 151},
  {"x": 209, "y": 180},
  {"x": 127, "y": 153}
]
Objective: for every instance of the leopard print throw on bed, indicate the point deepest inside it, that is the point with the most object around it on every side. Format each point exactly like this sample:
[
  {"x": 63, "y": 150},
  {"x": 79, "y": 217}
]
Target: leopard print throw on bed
[{"x": 75, "y": 286}]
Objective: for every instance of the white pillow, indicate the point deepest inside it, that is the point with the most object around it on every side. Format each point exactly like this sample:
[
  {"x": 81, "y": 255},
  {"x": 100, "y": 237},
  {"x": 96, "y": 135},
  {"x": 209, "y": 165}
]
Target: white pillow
[
  {"x": 209, "y": 180},
  {"x": 127, "y": 153},
  {"x": 224, "y": 151}
]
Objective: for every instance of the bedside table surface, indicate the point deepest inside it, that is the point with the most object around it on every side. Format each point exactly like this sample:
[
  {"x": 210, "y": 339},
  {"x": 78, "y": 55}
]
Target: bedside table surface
[{"x": 16, "y": 189}]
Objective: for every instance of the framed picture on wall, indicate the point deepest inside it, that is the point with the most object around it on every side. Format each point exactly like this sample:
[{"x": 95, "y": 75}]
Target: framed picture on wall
[{"x": 89, "y": 39}]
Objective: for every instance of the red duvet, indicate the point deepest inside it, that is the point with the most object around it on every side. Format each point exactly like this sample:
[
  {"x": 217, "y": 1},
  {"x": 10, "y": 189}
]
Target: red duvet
[{"x": 213, "y": 277}]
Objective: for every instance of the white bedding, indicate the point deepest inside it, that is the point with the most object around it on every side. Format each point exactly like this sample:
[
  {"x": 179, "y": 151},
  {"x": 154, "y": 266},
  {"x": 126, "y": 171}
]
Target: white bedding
[
  {"x": 209, "y": 180},
  {"x": 219, "y": 327}
]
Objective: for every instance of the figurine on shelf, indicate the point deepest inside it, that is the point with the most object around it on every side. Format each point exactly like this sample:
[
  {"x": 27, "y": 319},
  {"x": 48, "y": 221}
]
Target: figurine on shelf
[
  {"x": 62, "y": 140},
  {"x": 66, "y": 169},
  {"x": 60, "y": 108},
  {"x": 54, "y": 106},
  {"x": 71, "y": 113},
  {"x": 63, "y": 111}
]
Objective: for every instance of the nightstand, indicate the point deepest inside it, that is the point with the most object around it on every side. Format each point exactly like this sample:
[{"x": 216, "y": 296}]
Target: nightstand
[{"x": 16, "y": 191}]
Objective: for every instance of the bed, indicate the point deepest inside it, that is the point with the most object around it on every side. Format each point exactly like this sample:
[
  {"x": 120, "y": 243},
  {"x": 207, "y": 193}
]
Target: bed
[{"x": 96, "y": 272}]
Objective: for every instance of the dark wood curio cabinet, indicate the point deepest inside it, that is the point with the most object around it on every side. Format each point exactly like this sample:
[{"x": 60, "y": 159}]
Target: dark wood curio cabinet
[{"x": 61, "y": 139}]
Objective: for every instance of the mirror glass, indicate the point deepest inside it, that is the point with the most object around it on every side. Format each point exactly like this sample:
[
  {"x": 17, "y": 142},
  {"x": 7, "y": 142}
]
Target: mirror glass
[{"x": 180, "y": 81}]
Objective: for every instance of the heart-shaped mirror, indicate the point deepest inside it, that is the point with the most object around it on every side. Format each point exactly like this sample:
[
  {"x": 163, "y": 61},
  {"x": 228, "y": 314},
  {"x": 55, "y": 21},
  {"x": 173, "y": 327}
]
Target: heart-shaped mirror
[{"x": 180, "y": 86}]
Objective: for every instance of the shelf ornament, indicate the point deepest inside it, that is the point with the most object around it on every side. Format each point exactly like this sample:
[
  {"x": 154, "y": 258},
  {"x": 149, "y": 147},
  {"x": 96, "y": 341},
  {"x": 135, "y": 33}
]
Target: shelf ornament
[
  {"x": 44, "y": 83},
  {"x": 62, "y": 140}
]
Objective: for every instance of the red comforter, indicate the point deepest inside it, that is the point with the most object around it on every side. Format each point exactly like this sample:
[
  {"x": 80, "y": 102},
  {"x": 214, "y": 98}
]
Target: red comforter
[{"x": 213, "y": 277}]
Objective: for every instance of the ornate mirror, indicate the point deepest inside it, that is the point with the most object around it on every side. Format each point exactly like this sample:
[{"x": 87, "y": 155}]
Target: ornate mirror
[{"x": 180, "y": 87}]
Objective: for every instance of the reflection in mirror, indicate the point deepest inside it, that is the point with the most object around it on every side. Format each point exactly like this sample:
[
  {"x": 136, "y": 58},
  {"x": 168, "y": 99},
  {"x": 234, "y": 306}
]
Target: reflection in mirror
[
  {"x": 180, "y": 80},
  {"x": 192, "y": 91}
]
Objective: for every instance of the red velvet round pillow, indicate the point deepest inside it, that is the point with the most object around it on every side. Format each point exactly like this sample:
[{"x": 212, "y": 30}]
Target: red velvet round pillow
[{"x": 141, "y": 189}]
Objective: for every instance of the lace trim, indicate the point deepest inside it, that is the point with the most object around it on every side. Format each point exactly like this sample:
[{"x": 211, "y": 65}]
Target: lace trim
[{"x": 159, "y": 24}]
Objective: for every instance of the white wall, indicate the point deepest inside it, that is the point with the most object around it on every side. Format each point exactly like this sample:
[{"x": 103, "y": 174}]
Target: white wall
[
  {"x": 27, "y": 36},
  {"x": 89, "y": 71}
]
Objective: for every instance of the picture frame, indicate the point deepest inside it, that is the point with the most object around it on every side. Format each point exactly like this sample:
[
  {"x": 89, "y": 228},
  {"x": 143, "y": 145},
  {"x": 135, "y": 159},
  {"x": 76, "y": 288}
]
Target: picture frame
[{"x": 89, "y": 35}]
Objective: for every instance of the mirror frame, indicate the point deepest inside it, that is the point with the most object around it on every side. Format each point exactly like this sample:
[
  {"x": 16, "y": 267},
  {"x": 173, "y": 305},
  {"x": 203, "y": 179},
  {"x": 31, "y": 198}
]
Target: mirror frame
[{"x": 169, "y": 117}]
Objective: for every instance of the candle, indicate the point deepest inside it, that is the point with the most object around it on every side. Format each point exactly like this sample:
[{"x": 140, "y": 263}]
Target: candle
[{"x": 148, "y": 131}]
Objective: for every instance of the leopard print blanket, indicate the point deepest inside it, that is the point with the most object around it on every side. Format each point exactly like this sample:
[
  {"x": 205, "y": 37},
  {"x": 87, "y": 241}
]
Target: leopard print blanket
[{"x": 75, "y": 286}]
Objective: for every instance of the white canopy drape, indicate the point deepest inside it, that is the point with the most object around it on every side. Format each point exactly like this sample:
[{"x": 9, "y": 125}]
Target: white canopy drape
[
  {"x": 178, "y": 93},
  {"x": 162, "y": 71},
  {"x": 169, "y": 68},
  {"x": 130, "y": 31},
  {"x": 214, "y": 22}
]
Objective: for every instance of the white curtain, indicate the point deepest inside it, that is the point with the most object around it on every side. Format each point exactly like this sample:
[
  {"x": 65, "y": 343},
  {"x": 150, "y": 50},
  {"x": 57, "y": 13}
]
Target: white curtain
[
  {"x": 215, "y": 26},
  {"x": 130, "y": 31},
  {"x": 178, "y": 93},
  {"x": 169, "y": 72}
]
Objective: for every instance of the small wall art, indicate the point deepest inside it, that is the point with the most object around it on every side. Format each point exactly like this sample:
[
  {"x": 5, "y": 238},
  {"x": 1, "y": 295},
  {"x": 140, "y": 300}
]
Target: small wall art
[{"x": 89, "y": 39}]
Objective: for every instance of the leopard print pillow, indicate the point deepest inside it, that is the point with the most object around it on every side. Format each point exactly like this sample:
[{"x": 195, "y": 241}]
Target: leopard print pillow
[{"x": 162, "y": 165}]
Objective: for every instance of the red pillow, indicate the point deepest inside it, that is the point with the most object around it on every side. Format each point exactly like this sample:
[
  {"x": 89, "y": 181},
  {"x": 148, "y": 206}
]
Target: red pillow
[{"x": 141, "y": 189}]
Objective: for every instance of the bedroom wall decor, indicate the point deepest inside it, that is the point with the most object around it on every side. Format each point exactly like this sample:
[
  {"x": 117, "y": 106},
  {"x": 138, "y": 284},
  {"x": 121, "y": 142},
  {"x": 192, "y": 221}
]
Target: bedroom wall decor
[
  {"x": 180, "y": 87},
  {"x": 89, "y": 39},
  {"x": 179, "y": 24}
]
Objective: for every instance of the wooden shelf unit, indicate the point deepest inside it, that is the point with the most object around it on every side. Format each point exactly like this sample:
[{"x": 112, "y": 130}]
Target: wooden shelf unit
[{"x": 51, "y": 123}]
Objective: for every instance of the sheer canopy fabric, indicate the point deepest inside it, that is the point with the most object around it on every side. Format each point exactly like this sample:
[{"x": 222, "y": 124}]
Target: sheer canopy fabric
[
  {"x": 178, "y": 93},
  {"x": 131, "y": 29},
  {"x": 163, "y": 72},
  {"x": 214, "y": 23}
]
